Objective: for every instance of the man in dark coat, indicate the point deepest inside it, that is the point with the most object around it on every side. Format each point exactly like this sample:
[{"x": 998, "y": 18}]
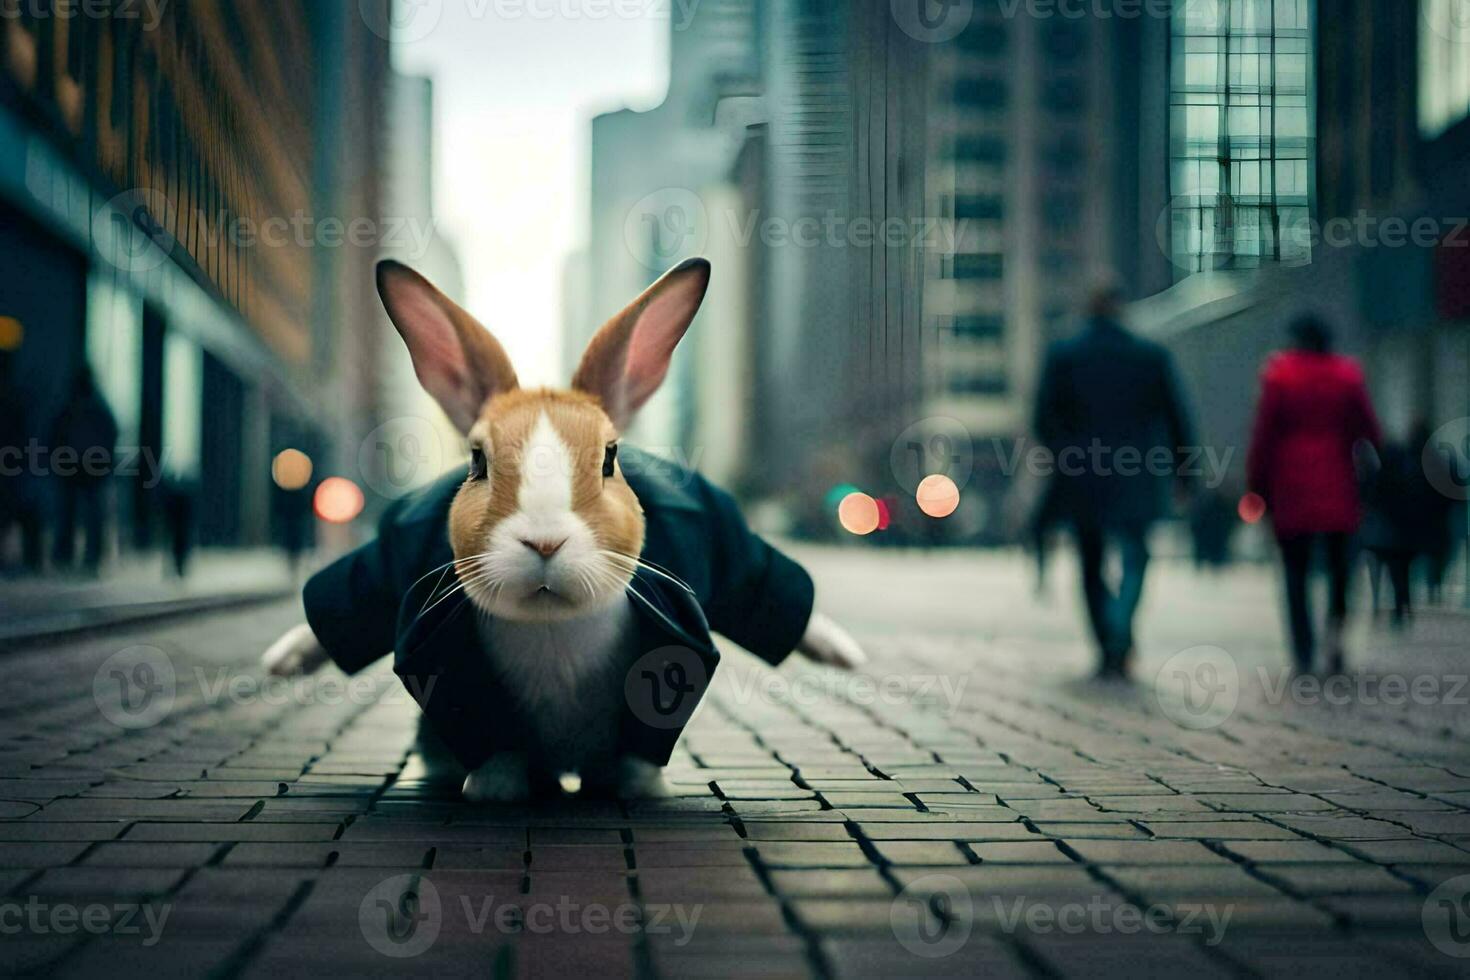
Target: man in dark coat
[{"x": 1109, "y": 409}]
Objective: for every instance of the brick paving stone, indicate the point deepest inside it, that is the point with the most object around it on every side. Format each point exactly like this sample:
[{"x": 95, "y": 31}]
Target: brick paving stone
[
  {"x": 1322, "y": 879},
  {"x": 97, "y": 883},
  {"x": 133, "y": 854},
  {"x": 257, "y": 832},
  {"x": 39, "y": 832},
  {"x": 831, "y": 883},
  {"x": 39, "y": 854},
  {"x": 1232, "y": 830},
  {"x": 1005, "y": 852},
  {"x": 867, "y": 956},
  {"x": 1289, "y": 852},
  {"x": 1091, "y": 831},
  {"x": 704, "y": 856},
  {"x": 803, "y": 854},
  {"x": 921, "y": 852},
  {"x": 1155, "y": 883},
  {"x": 1145, "y": 852},
  {"x": 767, "y": 830}
]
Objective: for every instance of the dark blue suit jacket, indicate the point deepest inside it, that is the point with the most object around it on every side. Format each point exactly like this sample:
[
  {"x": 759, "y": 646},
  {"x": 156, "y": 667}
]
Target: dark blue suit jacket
[
  {"x": 381, "y": 598},
  {"x": 1110, "y": 408}
]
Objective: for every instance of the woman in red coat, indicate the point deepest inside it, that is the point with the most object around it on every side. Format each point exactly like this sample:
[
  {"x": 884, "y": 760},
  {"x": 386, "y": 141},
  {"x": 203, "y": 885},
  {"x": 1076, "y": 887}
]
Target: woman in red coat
[{"x": 1313, "y": 412}]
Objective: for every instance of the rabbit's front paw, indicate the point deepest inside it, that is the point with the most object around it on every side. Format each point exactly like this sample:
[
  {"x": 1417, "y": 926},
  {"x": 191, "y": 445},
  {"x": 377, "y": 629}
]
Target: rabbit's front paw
[
  {"x": 502, "y": 779},
  {"x": 827, "y": 643},
  {"x": 296, "y": 652},
  {"x": 639, "y": 779}
]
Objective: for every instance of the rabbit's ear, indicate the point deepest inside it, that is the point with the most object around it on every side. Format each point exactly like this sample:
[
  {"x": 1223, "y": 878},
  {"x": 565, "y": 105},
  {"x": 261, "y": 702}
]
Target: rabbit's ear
[
  {"x": 627, "y": 359},
  {"x": 456, "y": 359}
]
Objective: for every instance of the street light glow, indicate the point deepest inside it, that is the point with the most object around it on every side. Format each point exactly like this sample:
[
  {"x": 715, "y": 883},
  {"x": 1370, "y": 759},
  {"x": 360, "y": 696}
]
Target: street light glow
[
  {"x": 1252, "y": 508},
  {"x": 858, "y": 513},
  {"x": 338, "y": 500},
  {"x": 937, "y": 496},
  {"x": 291, "y": 469}
]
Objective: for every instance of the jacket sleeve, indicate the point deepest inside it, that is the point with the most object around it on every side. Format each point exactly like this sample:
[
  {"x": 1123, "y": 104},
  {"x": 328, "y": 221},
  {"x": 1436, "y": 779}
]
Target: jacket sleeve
[
  {"x": 1046, "y": 421},
  {"x": 1176, "y": 407},
  {"x": 759, "y": 597},
  {"x": 352, "y": 607}
]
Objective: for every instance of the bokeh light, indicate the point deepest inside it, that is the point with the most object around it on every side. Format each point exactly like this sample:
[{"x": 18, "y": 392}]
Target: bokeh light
[
  {"x": 858, "y": 513},
  {"x": 291, "y": 469},
  {"x": 338, "y": 500},
  {"x": 937, "y": 495},
  {"x": 12, "y": 334},
  {"x": 1252, "y": 508}
]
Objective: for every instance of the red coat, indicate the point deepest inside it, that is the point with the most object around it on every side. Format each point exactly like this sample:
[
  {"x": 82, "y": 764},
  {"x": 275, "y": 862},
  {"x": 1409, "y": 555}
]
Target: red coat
[{"x": 1314, "y": 409}]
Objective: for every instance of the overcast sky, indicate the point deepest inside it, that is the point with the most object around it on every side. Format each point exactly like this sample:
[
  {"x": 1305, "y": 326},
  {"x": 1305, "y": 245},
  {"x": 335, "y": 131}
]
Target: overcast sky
[{"x": 516, "y": 86}]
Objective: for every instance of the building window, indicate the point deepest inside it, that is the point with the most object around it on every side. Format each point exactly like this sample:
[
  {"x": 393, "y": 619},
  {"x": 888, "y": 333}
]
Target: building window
[
  {"x": 1241, "y": 133},
  {"x": 983, "y": 207},
  {"x": 1444, "y": 66},
  {"x": 979, "y": 327},
  {"x": 983, "y": 93}
]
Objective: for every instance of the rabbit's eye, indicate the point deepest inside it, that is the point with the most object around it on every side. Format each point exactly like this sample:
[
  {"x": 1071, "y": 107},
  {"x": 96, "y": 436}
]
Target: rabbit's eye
[
  {"x": 479, "y": 466},
  {"x": 609, "y": 457}
]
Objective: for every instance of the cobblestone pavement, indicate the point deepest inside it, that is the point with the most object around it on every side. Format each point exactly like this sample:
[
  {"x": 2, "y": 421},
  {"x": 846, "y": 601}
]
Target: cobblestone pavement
[{"x": 971, "y": 805}]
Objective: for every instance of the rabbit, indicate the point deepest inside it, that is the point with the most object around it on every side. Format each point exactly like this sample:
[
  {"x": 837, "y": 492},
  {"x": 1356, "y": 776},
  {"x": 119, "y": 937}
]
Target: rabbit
[{"x": 547, "y": 534}]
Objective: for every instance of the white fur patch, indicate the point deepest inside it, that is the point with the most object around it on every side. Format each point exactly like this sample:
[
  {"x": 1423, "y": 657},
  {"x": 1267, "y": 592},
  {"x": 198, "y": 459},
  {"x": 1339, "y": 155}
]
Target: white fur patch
[{"x": 546, "y": 472}]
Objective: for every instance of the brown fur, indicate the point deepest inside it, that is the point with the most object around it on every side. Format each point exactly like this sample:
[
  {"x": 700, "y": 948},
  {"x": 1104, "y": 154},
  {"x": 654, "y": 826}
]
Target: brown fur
[{"x": 609, "y": 507}]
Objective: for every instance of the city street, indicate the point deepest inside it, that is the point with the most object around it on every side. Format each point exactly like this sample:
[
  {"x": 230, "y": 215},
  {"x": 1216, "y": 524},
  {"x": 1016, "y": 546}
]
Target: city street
[{"x": 972, "y": 804}]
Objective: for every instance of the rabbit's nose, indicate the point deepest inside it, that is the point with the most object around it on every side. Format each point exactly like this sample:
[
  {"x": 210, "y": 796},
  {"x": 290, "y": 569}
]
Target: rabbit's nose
[{"x": 544, "y": 548}]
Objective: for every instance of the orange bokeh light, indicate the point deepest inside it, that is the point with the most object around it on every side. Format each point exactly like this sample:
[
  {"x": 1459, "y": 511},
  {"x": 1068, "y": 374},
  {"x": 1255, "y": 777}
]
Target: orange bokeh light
[
  {"x": 858, "y": 513},
  {"x": 338, "y": 500},
  {"x": 291, "y": 469},
  {"x": 937, "y": 496},
  {"x": 1252, "y": 508}
]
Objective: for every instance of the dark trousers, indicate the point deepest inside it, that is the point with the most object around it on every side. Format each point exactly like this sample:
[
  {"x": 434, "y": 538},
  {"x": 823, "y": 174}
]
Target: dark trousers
[
  {"x": 1296, "y": 557},
  {"x": 1111, "y": 612},
  {"x": 84, "y": 499}
]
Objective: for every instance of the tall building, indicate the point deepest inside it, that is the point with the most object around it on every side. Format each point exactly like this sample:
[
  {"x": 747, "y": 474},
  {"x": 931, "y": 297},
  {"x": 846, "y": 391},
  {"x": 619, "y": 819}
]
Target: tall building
[
  {"x": 1043, "y": 165},
  {"x": 176, "y": 186},
  {"x": 413, "y": 441}
]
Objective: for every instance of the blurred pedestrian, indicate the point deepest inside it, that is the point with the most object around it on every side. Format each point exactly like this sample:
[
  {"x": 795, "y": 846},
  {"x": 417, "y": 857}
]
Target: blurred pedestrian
[
  {"x": 1109, "y": 409},
  {"x": 17, "y": 505},
  {"x": 1446, "y": 513},
  {"x": 1314, "y": 412},
  {"x": 83, "y": 440},
  {"x": 178, "y": 510},
  {"x": 1212, "y": 522},
  {"x": 294, "y": 524}
]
